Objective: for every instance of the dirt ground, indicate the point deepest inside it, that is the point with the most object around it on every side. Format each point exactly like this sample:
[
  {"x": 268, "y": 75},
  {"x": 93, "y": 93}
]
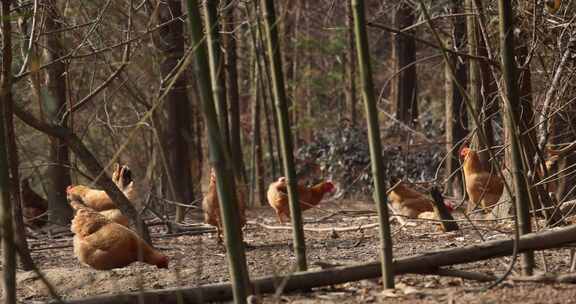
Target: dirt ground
[{"x": 198, "y": 259}]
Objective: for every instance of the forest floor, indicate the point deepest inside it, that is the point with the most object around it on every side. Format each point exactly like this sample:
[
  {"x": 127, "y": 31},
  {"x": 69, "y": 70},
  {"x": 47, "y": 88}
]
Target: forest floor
[{"x": 198, "y": 260}]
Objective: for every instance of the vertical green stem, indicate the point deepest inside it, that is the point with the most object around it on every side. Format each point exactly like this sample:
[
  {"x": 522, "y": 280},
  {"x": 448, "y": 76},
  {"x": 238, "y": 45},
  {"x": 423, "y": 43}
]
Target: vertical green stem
[
  {"x": 521, "y": 195},
  {"x": 219, "y": 161},
  {"x": 216, "y": 65},
  {"x": 378, "y": 173},
  {"x": 280, "y": 99},
  {"x": 8, "y": 248}
]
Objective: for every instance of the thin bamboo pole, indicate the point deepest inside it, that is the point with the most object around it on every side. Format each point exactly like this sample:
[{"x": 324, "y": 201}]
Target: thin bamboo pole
[
  {"x": 273, "y": 47},
  {"x": 217, "y": 73},
  {"x": 219, "y": 161},
  {"x": 232, "y": 90},
  {"x": 378, "y": 173},
  {"x": 8, "y": 246},
  {"x": 521, "y": 195}
]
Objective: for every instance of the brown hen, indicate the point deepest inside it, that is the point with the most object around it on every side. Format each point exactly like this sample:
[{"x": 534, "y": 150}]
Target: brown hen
[
  {"x": 483, "y": 187},
  {"x": 308, "y": 196},
  {"x": 211, "y": 206},
  {"x": 103, "y": 244}
]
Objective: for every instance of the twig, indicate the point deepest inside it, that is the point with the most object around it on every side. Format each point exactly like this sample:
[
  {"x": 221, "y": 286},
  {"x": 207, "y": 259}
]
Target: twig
[
  {"x": 52, "y": 247},
  {"x": 430, "y": 44},
  {"x": 326, "y": 229},
  {"x": 547, "y": 278},
  {"x": 473, "y": 276}
]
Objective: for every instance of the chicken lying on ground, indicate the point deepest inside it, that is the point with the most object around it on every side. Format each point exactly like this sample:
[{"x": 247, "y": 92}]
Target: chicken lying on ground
[
  {"x": 98, "y": 199},
  {"x": 409, "y": 203},
  {"x": 308, "y": 196},
  {"x": 93, "y": 198},
  {"x": 483, "y": 187},
  {"x": 116, "y": 216},
  {"x": 34, "y": 206},
  {"x": 211, "y": 206},
  {"x": 122, "y": 177},
  {"x": 103, "y": 244}
]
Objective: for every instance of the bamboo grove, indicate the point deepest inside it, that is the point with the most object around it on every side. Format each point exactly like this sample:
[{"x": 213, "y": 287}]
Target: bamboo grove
[{"x": 230, "y": 96}]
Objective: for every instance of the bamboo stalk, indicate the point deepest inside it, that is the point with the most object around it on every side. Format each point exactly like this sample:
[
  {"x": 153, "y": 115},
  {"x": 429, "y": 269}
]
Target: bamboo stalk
[
  {"x": 367, "y": 88},
  {"x": 8, "y": 246},
  {"x": 217, "y": 75},
  {"x": 350, "y": 88},
  {"x": 13, "y": 163},
  {"x": 267, "y": 87},
  {"x": 254, "y": 30},
  {"x": 271, "y": 31},
  {"x": 219, "y": 161},
  {"x": 521, "y": 195},
  {"x": 257, "y": 170},
  {"x": 479, "y": 77},
  {"x": 232, "y": 93}
]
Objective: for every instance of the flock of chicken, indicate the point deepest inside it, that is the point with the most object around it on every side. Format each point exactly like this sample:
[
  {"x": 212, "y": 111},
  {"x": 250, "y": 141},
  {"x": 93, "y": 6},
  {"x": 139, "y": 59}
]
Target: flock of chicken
[
  {"x": 102, "y": 239},
  {"x": 277, "y": 198},
  {"x": 483, "y": 187}
]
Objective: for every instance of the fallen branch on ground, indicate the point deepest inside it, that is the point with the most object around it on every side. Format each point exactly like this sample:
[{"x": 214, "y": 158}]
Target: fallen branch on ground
[
  {"x": 427, "y": 263},
  {"x": 467, "y": 275},
  {"x": 569, "y": 278},
  {"x": 325, "y": 229}
]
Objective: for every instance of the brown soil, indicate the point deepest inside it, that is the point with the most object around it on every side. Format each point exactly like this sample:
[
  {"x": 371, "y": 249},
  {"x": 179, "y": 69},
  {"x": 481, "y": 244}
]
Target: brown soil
[{"x": 197, "y": 260}]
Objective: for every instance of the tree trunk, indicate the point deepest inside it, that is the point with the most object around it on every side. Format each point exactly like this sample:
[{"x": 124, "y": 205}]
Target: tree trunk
[
  {"x": 405, "y": 82},
  {"x": 377, "y": 163},
  {"x": 456, "y": 114},
  {"x": 281, "y": 103},
  {"x": 177, "y": 134},
  {"x": 58, "y": 172},
  {"x": 7, "y": 232}
]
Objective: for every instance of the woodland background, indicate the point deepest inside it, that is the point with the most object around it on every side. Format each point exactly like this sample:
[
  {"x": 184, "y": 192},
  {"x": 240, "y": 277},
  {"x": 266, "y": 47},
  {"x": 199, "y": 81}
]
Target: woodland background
[{"x": 103, "y": 77}]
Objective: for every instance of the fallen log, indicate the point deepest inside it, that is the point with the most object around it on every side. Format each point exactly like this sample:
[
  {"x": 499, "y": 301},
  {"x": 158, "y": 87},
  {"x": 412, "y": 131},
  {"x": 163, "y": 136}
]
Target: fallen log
[{"x": 425, "y": 263}]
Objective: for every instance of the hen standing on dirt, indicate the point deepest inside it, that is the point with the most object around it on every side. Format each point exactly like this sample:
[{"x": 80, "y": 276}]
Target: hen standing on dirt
[
  {"x": 483, "y": 187},
  {"x": 211, "y": 206},
  {"x": 308, "y": 196}
]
